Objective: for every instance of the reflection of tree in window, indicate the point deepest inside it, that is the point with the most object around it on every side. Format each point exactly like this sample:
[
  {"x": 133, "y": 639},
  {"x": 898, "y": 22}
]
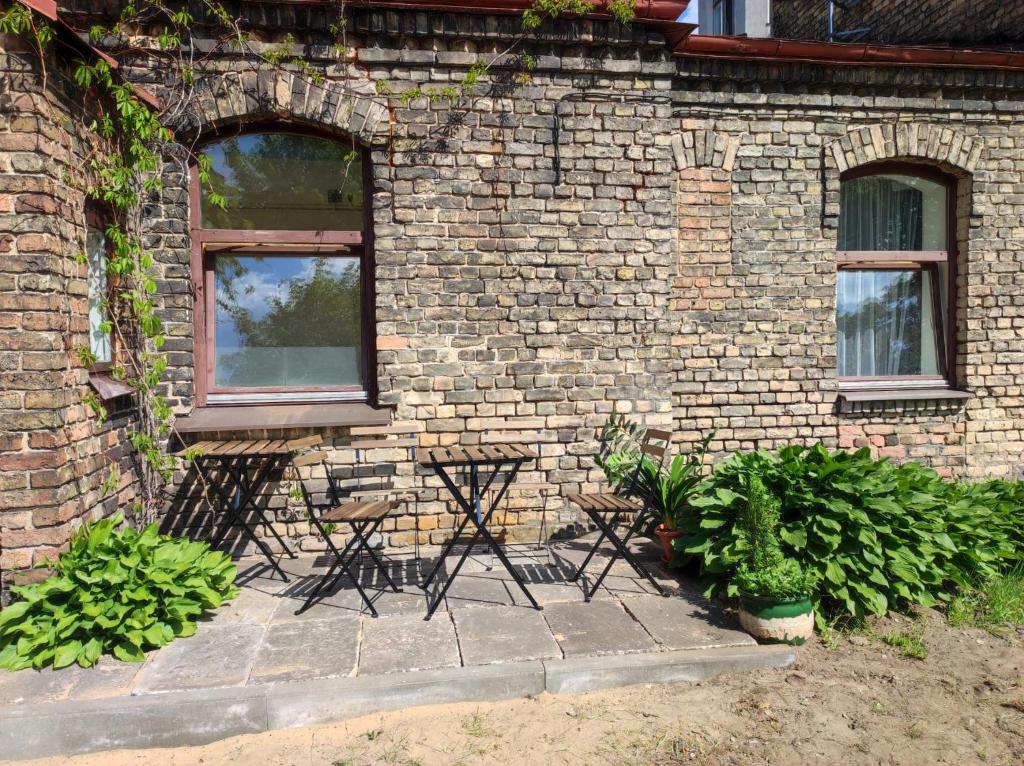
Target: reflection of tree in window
[
  {"x": 312, "y": 320},
  {"x": 881, "y": 334},
  {"x": 284, "y": 181}
]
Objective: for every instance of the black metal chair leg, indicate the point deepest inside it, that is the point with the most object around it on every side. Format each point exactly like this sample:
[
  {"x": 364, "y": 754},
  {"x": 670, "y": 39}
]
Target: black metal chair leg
[
  {"x": 621, "y": 551},
  {"x": 364, "y": 539}
]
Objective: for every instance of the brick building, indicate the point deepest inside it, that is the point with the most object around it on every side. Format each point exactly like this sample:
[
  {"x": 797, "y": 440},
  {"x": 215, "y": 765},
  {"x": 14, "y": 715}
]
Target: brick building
[
  {"x": 914, "y": 22},
  {"x": 782, "y": 242}
]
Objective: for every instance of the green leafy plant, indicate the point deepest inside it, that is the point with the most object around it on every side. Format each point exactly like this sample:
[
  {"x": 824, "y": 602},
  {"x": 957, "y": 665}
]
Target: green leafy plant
[
  {"x": 116, "y": 591},
  {"x": 993, "y": 605},
  {"x": 767, "y": 572},
  {"x": 669, "y": 487},
  {"x": 876, "y": 535}
]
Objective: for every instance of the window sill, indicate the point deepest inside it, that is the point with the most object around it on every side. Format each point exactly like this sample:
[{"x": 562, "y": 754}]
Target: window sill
[
  {"x": 107, "y": 387},
  {"x": 262, "y": 417},
  {"x": 859, "y": 399}
]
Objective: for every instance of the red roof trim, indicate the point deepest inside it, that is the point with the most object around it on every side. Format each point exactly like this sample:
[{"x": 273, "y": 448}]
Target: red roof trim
[
  {"x": 646, "y": 10},
  {"x": 47, "y": 8},
  {"x": 770, "y": 49},
  {"x": 69, "y": 36}
]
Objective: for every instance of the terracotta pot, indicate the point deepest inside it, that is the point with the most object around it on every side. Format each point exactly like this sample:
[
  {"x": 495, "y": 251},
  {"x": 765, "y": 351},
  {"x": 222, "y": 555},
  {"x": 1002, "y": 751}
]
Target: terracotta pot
[
  {"x": 777, "y": 620},
  {"x": 666, "y": 536}
]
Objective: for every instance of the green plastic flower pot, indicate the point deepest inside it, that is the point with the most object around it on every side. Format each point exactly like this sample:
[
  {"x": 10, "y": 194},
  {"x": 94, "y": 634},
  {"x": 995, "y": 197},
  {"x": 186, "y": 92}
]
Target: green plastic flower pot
[{"x": 777, "y": 620}]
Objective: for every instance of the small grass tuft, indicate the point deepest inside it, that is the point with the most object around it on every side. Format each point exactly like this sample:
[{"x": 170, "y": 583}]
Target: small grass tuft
[
  {"x": 995, "y": 604},
  {"x": 909, "y": 644}
]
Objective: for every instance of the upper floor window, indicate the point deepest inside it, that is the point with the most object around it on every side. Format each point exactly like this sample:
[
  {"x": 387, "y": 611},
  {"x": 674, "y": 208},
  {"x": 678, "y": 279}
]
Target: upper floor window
[
  {"x": 284, "y": 270},
  {"x": 722, "y": 17},
  {"x": 895, "y": 272},
  {"x": 100, "y": 341}
]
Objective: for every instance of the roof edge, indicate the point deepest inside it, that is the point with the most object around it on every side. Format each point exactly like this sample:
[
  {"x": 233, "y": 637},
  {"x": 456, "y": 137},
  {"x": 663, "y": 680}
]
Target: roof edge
[{"x": 851, "y": 54}]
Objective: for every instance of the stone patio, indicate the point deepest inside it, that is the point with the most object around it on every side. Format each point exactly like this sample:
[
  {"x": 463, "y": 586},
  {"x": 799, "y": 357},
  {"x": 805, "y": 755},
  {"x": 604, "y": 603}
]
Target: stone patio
[{"x": 257, "y": 638}]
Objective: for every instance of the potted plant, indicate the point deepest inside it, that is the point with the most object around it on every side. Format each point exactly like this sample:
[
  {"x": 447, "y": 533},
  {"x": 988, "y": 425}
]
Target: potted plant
[
  {"x": 669, "y": 488},
  {"x": 673, "y": 487},
  {"x": 774, "y": 591}
]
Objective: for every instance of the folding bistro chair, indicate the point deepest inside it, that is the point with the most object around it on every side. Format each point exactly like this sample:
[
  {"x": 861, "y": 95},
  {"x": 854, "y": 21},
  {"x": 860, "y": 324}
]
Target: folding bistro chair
[
  {"x": 631, "y": 500},
  {"x": 401, "y": 434},
  {"x": 363, "y": 517},
  {"x": 525, "y": 431}
]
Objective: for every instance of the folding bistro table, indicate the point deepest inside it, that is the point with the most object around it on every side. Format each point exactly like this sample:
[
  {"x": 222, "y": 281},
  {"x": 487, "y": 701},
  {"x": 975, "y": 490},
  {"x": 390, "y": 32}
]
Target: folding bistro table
[
  {"x": 235, "y": 471},
  {"x": 482, "y": 466}
]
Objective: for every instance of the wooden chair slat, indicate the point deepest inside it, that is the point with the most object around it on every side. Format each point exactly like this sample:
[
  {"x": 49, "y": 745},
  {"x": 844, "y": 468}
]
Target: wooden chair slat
[
  {"x": 658, "y": 435},
  {"x": 305, "y": 442},
  {"x": 401, "y": 427},
  {"x": 310, "y": 458},
  {"x": 383, "y": 443},
  {"x": 652, "y": 449}
]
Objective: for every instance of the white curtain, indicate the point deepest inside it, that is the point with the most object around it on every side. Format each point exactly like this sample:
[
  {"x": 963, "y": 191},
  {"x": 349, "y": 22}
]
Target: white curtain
[
  {"x": 885, "y": 323},
  {"x": 880, "y": 213}
]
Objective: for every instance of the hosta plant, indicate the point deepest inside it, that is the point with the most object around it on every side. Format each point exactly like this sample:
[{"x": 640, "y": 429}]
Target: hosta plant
[
  {"x": 874, "y": 534},
  {"x": 117, "y": 591}
]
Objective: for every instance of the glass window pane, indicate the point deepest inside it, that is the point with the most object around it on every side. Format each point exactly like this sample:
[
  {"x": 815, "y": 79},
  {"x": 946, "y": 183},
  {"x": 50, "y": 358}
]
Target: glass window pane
[
  {"x": 284, "y": 181},
  {"x": 892, "y": 212},
  {"x": 96, "y": 282},
  {"x": 287, "y": 321},
  {"x": 886, "y": 323}
]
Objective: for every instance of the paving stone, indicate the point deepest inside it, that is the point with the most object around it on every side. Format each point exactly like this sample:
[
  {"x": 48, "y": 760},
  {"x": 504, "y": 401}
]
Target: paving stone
[
  {"x": 308, "y": 649},
  {"x": 681, "y": 623},
  {"x": 471, "y": 590},
  {"x": 345, "y": 599},
  {"x": 503, "y": 634},
  {"x": 600, "y": 627},
  {"x": 407, "y": 642},
  {"x": 107, "y": 678},
  {"x": 252, "y": 605},
  {"x": 217, "y": 655}
]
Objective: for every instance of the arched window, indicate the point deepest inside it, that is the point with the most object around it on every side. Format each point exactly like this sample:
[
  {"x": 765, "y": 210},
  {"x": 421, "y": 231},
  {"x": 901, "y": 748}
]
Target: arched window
[
  {"x": 894, "y": 285},
  {"x": 283, "y": 308}
]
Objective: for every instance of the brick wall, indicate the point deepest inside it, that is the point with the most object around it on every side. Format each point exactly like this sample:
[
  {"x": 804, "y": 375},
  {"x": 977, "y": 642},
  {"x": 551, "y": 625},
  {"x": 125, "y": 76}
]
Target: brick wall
[
  {"x": 627, "y": 232},
  {"x": 53, "y": 454},
  {"x": 942, "y": 22}
]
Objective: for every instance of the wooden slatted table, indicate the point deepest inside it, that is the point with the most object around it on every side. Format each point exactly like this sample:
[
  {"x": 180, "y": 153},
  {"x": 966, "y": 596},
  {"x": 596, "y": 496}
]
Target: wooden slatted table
[
  {"x": 481, "y": 465},
  {"x": 236, "y": 470}
]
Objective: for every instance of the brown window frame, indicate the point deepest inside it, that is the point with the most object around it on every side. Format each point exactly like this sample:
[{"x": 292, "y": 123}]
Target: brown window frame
[
  {"x": 909, "y": 260},
  {"x": 207, "y": 243}
]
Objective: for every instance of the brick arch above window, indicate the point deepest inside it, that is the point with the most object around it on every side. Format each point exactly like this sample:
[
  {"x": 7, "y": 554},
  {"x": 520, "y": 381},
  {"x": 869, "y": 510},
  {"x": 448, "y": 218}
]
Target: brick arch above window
[
  {"x": 240, "y": 97},
  {"x": 705, "y": 149},
  {"x": 936, "y": 146},
  {"x": 907, "y": 141}
]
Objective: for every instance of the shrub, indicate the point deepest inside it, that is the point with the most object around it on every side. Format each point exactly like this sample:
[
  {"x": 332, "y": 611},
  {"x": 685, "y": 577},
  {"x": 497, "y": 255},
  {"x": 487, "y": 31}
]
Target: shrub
[
  {"x": 875, "y": 535},
  {"x": 119, "y": 591},
  {"x": 767, "y": 572},
  {"x": 669, "y": 487}
]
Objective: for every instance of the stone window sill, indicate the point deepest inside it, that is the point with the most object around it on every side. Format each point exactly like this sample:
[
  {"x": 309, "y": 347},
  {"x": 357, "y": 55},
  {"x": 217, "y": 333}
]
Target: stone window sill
[
  {"x": 262, "y": 417},
  {"x": 858, "y": 399}
]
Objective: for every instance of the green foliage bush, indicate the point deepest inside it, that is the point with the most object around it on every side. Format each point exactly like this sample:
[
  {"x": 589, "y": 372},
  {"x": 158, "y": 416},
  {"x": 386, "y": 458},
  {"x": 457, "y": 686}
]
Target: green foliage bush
[
  {"x": 114, "y": 590},
  {"x": 669, "y": 486},
  {"x": 874, "y": 534},
  {"x": 767, "y": 572}
]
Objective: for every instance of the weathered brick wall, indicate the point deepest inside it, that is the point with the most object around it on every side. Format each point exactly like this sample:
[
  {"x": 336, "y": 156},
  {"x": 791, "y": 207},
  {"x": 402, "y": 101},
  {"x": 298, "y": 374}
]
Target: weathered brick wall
[
  {"x": 773, "y": 378},
  {"x": 948, "y": 22},
  {"x": 632, "y": 233},
  {"x": 54, "y": 456}
]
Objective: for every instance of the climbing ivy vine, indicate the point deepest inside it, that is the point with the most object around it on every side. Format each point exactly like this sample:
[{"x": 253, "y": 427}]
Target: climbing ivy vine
[{"x": 124, "y": 171}]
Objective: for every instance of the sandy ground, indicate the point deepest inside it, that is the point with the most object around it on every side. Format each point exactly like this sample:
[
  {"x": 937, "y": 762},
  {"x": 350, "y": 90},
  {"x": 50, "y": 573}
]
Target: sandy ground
[{"x": 861, "y": 702}]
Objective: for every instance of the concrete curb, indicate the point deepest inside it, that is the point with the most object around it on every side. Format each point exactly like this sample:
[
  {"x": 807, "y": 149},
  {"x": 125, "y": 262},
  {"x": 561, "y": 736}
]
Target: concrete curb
[{"x": 176, "y": 719}]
